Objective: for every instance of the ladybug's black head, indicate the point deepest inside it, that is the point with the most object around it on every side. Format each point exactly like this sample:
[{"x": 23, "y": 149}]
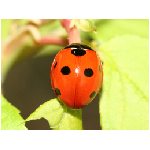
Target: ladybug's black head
[{"x": 78, "y": 49}]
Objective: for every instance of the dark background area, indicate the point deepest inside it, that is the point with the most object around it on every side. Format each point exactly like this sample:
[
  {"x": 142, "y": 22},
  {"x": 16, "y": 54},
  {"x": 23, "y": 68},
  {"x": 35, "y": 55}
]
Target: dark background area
[{"x": 27, "y": 86}]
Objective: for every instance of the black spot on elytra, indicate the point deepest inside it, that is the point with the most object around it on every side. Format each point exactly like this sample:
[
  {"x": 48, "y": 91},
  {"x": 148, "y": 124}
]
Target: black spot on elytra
[
  {"x": 57, "y": 91},
  {"x": 65, "y": 70},
  {"x": 78, "y": 46},
  {"x": 92, "y": 95},
  {"x": 55, "y": 64},
  {"x": 88, "y": 72},
  {"x": 78, "y": 52}
]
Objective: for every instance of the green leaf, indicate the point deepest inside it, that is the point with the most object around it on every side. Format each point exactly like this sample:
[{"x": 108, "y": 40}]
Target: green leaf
[
  {"x": 58, "y": 115},
  {"x": 107, "y": 29},
  {"x": 11, "y": 118},
  {"x": 124, "y": 102}
]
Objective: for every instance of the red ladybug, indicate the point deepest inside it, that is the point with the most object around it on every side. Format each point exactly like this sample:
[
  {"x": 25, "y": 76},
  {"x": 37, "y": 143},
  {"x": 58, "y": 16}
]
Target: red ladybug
[{"x": 76, "y": 75}]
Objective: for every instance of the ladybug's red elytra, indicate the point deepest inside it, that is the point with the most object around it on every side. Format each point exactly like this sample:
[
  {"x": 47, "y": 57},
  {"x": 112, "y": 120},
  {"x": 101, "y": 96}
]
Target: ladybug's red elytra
[{"x": 76, "y": 75}]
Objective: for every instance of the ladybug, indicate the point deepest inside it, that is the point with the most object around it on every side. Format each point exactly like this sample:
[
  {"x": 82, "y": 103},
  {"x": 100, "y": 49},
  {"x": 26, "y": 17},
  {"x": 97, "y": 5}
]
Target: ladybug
[{"x": 76, "y": 75}]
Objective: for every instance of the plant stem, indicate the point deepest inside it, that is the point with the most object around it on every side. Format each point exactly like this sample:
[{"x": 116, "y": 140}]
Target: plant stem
[
  {"x": 72, "y": 31},
  {"x": 47, "y": 40}
]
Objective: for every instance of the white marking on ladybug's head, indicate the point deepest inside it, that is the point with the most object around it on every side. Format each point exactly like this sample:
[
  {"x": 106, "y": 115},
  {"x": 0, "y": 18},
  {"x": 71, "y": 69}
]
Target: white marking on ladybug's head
[{"x": 74, "y": 48}]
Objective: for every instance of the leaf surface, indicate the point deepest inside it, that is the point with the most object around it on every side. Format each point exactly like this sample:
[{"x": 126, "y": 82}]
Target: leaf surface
[
  {"x": 58, "y": 115},
  {"x": 124, "y": 102},
  {"x": 11, "y": 118}
]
